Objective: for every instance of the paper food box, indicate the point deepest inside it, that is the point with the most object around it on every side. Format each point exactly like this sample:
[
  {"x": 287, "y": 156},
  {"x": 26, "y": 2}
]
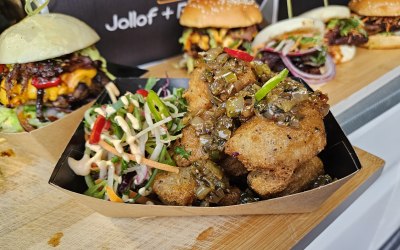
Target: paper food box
[
  {"x": 340, "y": 162},
  {"x": 47, "y": 142}
]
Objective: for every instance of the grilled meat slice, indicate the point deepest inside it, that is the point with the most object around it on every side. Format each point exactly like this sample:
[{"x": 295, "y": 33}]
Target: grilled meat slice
[
  {"x": 334, "y": 37},
  {"x": 378, "y": 24}
]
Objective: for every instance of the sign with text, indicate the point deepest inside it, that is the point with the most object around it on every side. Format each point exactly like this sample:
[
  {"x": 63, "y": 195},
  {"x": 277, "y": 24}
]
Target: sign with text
[{"x": 132, "y": 32}]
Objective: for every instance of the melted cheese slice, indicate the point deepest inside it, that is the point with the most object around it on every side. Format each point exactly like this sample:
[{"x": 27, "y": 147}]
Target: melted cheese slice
[{"x": 68, "y": 85}]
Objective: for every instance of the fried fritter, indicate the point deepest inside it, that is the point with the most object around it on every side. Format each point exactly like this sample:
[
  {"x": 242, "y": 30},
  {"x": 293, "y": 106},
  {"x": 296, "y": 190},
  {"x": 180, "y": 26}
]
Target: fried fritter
[
  {"x": 175, "y": 189},
  {"x": 267, "y": 182},
  {"x": 303, "y": 176},
  {"x": 268, "y": 185},
  {"x": 190, "y": 142},
  {"x": 198, "y": 94},
  {"x": 262, "y": 144}
]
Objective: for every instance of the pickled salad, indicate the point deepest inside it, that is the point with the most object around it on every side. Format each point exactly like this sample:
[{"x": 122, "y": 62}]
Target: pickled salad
[{"x": 128, "y": 142}]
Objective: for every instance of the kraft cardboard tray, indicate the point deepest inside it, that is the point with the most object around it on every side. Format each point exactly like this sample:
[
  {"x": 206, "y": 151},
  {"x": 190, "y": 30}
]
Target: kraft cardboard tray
[
  {"x": 47, "y": 142},
  {"x": 340, "y": 161}
]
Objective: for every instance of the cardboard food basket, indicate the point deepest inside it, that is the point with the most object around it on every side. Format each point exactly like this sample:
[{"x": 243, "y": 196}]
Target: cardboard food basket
[
  {"x": 47, "y": 142},
  {"x": 340, "y": 161}
]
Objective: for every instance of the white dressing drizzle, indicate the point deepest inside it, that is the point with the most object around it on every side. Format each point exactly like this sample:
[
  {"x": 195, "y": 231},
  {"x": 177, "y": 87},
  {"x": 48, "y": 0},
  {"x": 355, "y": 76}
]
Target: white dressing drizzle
[
  {"x": 113, "y": 91},
  {"x": 133, "y": 120},
  {"x": 144, "y": 192},
  {"x": 79, "y": 166},
  {"x": 129, "y": 138},
  {"x": 135, "y": 103},
  {"x": 124, "y": 100},
  {"x": 100, "y": 111},
  {"x": 110, "y": 110}
]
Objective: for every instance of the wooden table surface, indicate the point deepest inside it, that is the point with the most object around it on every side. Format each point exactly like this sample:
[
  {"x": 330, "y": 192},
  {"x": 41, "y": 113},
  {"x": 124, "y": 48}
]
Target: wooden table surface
[{"x": 35, "y": 215}]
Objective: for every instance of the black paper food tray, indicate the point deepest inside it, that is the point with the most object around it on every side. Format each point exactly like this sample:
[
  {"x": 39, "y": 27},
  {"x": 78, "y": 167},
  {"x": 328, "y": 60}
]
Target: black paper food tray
[{"x": 339, "y": 158}]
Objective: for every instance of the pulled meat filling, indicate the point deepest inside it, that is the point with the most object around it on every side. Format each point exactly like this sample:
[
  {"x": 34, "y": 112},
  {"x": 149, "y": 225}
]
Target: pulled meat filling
[
  {"x": 334, "y": 37},
  {"x": 375, "y": 25},
  {"x": 347, "y": 31},
  {"x": 203, "y": 39}
]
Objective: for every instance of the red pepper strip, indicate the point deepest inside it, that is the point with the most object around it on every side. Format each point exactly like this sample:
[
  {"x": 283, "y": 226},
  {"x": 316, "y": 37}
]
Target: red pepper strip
[
  {"x": 97, "y": 128},
  {"x": 107, "y": 125},
  {"x": 43, "y": 83},
  {"x": 2, "y": 67},
  {"x": 239, "y": 54},
  {"x": 142, "y": 92}
]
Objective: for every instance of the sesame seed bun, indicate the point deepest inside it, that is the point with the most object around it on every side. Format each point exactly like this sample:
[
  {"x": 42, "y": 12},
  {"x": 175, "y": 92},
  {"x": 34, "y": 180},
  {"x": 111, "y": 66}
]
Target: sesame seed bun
[
  {"x": 327, "y": 13},
  {"x": 220, "y": 14},
  {"x": 46, "y": 36},
  {"x": 375, "y": 7}
]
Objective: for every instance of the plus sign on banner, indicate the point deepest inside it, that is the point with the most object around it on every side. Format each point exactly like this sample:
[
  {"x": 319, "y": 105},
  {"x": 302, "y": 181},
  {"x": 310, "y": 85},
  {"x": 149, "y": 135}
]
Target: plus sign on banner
[{"x": 132, "y": 32}]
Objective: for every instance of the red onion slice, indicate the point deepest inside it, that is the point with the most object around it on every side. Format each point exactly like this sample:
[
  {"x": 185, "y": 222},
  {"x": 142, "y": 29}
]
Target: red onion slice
[
  {"x": 312, "y": 78},
  {"x": 296, "y": 53}
]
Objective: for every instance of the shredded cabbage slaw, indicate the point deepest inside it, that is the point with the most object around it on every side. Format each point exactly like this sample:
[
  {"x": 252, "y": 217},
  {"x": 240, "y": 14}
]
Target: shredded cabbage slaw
[{"x": 124, "y": 140}]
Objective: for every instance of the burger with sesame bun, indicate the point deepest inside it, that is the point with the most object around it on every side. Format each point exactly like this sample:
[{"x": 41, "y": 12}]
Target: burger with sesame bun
[
  {"x": 48, "y": 67},
  {"x": 218, "y": 23},
  {"x": 342, "y": 31},
  {"x": 298, "y": 45},
  {"x": 381, "y": 19}
]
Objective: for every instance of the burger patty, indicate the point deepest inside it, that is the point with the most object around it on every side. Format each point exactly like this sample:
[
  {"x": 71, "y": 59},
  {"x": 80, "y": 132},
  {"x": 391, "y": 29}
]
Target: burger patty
[
  {"x": 47, "y": 69},
  {"x": 375, "y": 25},
  {"x": 21, "y": 73},
  {"x": 333, "y": 37}
]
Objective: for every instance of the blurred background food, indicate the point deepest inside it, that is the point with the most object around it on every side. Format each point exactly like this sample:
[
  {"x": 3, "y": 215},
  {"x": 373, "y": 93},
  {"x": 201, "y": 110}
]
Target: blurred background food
[
  {"x": 49, "y": 67},
  {"x": 297, "y": 44},
  {"x": 209, "y": 24},
  {"x": 343, "y": 32},
  {"x": 381, "y": 19}
]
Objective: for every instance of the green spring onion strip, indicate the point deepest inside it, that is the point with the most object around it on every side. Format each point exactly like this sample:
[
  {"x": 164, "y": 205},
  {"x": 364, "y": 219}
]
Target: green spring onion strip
[
  {"x": 289, "y": 8},
  {"x": 151, "y": 82},
  {"x": 270, "y": 84},
  {"x": 39, "y": 7},
  {"x": 96, "y": 190},
  {"x": 158, "y": 108}
]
